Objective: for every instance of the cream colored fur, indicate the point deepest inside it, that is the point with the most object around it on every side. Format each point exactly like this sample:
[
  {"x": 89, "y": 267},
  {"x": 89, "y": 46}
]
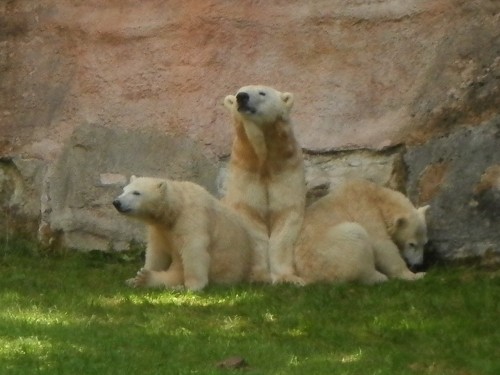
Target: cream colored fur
[
  {"x": 387, "y": 227},
  {"x": 193, "y": 239},
  {"x": 334, "y": 253},
  {"x": 266, "y": 182}
]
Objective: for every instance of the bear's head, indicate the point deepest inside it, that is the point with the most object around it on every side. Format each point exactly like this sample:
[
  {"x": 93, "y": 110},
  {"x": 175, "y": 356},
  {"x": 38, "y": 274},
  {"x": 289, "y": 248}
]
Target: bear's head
[
  {"x": 260, "y": 104},
  {"x": 409, "y": 233},
  {"x": 142, "y": 198}
]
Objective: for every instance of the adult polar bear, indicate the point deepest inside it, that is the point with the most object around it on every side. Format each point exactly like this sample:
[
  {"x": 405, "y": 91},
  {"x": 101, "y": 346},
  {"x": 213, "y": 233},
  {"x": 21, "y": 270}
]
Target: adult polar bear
[{"x": 266, "y": 181}]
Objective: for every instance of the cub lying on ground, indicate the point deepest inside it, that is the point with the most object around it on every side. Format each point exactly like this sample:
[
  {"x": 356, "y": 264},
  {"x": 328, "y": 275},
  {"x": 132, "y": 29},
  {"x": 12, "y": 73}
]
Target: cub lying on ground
[
  {"x": 337, "y": 253},
  {"x": 193, "y": 239},
  {"x": 361, "y": 231},
  {"x": 266, "y": 182}
]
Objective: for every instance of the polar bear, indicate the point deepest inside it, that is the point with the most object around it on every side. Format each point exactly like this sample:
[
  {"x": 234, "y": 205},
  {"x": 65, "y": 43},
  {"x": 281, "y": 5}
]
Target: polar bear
[
  {"x": 193, "y": 239},
  {"x": 334, "y": 253},
  {"x": 266, "y": 181},
  {"x": 396, "y": 232}
]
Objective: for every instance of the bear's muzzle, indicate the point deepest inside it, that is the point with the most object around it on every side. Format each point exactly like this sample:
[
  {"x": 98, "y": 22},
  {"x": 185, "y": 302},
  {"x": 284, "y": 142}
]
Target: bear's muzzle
[
  {"x": 243, "y": 99},
  {"x": 118, "y": 205}
]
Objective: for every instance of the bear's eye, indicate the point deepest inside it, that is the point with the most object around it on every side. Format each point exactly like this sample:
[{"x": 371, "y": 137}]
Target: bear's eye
[
  {"x": 262, "y": 93},
  {"x": 412, "y": 245},
  {"x": 136, "y": 193}
]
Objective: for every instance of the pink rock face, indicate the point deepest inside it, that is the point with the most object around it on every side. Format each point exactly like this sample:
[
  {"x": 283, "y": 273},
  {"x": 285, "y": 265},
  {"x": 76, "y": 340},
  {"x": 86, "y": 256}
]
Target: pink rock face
[
  {"x": 364, "y": 73},
  {"x": 94, "y": 91}
]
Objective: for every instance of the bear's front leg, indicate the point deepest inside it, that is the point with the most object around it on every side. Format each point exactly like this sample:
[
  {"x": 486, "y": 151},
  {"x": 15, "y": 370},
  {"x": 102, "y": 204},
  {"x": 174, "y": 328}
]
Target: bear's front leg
[
  {"x": 260, "y": 261},
  {"x": 389, "y": 261},
  {"x": 172, "y": 278},
  {"x": 286, "y": 214},
  {"x": 157, "y": 252},
  {"x": 281, "y": 244}
]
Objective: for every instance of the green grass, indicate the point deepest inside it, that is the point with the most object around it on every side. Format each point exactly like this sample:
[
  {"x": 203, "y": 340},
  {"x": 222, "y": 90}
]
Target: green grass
[{"x": 72, "y": 314}]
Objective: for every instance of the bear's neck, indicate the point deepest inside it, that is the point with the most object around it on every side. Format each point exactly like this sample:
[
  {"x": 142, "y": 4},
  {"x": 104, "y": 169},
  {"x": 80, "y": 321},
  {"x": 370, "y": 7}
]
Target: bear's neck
[
  {"x": 260, "y": 146},
  {"x": 165, "y": 214}
]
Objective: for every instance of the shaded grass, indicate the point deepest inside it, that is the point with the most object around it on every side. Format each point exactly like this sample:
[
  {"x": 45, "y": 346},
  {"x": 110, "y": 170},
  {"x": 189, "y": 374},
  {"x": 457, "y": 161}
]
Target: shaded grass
[{"x": 72, "y": 314}]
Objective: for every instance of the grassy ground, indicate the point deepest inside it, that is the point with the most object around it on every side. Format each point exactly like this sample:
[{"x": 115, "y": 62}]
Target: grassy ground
[{"x": 72, "y": 314}]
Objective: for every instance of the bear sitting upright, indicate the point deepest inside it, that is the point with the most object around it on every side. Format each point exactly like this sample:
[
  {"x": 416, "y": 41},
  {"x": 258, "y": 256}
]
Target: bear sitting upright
[
  {"x": 266, "y": 181},
  {"x": 193, "y": 239},
  {"x": 360, "y": 220}
]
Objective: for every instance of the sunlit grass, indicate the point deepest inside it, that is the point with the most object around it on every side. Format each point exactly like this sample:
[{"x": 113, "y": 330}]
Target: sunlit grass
[{"x": 72, "y": 314}]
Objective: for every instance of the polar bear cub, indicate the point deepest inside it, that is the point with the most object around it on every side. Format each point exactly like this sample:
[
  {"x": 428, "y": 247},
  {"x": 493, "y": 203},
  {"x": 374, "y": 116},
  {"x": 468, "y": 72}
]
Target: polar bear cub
[
  {"x": 338, "y": 253},
  {"x": 266, "y": 181},
  {"x": 385, "y": 230},
  {"x": 193, "y": 239},
  {"x": 398, "y": 230}
]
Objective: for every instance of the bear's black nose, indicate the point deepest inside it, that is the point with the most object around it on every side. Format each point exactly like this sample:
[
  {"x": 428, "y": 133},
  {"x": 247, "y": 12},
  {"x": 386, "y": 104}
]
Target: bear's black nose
[
  {"x": 117, "y": 204},
  {"x": 242, "y": 97}
]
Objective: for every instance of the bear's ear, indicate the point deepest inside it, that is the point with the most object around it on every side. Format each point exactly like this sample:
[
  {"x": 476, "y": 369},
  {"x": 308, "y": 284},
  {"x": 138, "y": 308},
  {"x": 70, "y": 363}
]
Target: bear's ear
[
  {"x": 132, "y": 178},
  {"x": 422, "y": 210},
  {"x": 162, "y": 185},
  {"x": 287, "y": 99},
  {"x": 230, "y": 101}
]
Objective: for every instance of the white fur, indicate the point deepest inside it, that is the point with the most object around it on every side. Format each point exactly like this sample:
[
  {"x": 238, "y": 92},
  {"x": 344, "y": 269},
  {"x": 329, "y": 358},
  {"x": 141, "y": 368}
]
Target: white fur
[
  {"x": 193, "y": 239},
  {"x": 394, "y": 227},
  {"x": 266, "y": 181}
]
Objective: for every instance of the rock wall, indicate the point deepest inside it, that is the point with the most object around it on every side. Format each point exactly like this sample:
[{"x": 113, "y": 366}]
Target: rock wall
[
  {"x": 459, "y": 176},
  {"x": 94, "y": 91}
]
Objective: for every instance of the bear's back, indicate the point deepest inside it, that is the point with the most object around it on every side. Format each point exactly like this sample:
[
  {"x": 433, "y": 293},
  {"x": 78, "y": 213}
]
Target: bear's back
[
  {"x": 230, "y": 246},
  {"x": 360, "y": 201}
]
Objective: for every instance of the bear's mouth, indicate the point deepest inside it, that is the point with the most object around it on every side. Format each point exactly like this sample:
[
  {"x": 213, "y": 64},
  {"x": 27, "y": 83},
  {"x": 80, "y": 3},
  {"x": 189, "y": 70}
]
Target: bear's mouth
[
  {"x": 120, "y": 208},
  {"x": 123, "y": 210},
  {"x": 245, "y": 108}
]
